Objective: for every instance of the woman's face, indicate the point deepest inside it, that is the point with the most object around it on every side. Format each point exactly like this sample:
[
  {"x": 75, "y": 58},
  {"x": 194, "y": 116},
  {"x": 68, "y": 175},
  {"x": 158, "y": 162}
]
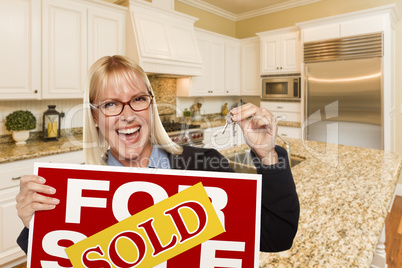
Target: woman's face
[{"x": 128, "y": 134}]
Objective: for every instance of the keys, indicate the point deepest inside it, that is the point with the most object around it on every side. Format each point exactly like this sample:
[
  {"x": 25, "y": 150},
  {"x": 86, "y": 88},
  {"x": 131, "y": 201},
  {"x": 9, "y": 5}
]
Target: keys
[
  {"x": 229, "y": 121},
  {"x": 234, "y": 129}
]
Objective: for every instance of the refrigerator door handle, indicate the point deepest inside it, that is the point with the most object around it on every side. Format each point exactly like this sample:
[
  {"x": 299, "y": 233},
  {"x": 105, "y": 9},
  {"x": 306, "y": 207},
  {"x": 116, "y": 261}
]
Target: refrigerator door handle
[{"x": 305, "y": 102}]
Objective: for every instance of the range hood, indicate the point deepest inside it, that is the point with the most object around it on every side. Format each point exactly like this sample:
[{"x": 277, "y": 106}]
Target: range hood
[{"x": 162, "y": 41}]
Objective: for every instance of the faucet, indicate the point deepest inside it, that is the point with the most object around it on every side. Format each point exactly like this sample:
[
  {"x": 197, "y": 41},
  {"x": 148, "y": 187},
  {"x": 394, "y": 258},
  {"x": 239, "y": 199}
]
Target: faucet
[{"x": 287, "y": 145}]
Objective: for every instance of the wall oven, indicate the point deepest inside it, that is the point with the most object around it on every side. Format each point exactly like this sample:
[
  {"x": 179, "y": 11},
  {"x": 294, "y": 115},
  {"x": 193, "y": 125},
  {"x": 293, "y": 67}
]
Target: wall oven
[{"x": 281, "y": 87}]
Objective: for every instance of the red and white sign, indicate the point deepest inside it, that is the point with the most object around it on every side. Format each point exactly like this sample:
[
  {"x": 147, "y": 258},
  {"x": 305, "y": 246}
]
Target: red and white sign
[{"x": 96, "y": 197}]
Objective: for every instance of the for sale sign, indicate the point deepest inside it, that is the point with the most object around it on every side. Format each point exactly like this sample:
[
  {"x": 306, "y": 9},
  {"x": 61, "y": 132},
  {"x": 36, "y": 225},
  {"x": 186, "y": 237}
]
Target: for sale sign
[{"x": 128, "y": 217}]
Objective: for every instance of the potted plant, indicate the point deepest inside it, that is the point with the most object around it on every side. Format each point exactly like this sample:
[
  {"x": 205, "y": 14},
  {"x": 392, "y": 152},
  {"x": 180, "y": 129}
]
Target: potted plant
[{"x": 19, "y": 123}]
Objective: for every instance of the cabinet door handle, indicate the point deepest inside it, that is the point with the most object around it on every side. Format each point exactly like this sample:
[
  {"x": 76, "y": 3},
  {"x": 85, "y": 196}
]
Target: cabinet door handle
[
  {"x": 284, "y": 134},
  {"x": 279, "y": 107},
  {"x": 16, "y": 178},
  {"x": 35, "y": 91}
]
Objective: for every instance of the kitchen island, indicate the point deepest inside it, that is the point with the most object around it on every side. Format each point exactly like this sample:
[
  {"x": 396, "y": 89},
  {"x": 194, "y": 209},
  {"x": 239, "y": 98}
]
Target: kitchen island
[{"x": 345, "y": 193}]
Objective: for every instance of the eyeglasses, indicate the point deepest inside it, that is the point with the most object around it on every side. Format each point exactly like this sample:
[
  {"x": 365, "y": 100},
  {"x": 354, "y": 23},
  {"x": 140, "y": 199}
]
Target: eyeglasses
[{"x": 115, "y": 108}]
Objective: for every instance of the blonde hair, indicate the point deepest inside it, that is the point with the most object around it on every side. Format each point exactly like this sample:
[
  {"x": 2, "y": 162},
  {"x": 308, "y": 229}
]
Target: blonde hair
[{"x": 113, "y": 70}]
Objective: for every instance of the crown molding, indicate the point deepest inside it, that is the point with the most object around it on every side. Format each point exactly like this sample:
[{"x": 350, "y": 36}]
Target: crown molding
[
  {"x": 247, "y": 15},
  {"x": 275, "y": 8},
  {"x": 210, "y": 8}
]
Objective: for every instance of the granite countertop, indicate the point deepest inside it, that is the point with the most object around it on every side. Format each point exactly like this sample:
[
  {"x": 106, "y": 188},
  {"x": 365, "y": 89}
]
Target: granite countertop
[
  {"x": 36, "y": 147},
  {"x": 345, "y": 193}
]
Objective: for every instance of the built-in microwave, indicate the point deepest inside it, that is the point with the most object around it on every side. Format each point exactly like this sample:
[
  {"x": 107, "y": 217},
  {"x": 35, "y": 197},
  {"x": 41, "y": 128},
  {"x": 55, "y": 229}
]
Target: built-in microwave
[{"x": 281, "y": 87}]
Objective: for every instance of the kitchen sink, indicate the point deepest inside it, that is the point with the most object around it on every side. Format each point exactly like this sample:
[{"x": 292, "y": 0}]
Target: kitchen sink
[{"x": 241, "y": 162}]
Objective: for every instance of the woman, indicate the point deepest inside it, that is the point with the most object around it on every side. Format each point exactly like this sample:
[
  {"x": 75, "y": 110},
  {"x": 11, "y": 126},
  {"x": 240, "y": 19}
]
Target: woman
[{"x": 122, "y": 127}]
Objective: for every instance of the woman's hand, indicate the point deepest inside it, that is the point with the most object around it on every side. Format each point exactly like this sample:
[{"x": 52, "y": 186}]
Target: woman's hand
[
  {"x": 30, "y": 198},
  {"x": 259, "y": 129}
]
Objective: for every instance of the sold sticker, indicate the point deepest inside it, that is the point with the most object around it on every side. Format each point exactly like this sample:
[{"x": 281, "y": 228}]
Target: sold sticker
[{"x": 153, "y": 235}]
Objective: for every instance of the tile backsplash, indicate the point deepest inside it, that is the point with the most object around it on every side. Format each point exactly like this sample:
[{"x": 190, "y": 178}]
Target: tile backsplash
[
  {"x": 165, "y": 94},
  {"x": 38, "y": 107}
]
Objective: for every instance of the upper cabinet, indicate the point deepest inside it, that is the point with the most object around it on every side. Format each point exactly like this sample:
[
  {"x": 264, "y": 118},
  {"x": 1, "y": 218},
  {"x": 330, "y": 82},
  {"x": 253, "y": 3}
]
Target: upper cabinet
[
  {"x": 232, "y": 67},
  {"x": 250, "y": 83},
  {"x": 343, "y": 28},
  {"x": 280, "y": 51},
  {"x": 20, "y": 49},
  {"x": 64, "y": 44},
  {"x": 75, "y": 35},
  {"x": 106, "y": 33},
  {"x": 50, "y": 45},
  {"x": 221, "y": 67}
]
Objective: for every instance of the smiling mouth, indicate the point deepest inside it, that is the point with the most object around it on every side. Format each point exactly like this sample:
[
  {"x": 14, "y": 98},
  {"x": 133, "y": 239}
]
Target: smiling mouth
[{"x": 128, "y": 133}]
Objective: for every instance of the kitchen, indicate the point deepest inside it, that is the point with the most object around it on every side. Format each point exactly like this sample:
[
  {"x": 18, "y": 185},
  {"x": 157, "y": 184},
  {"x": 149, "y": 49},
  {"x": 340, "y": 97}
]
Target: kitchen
[{"x": 224, "y": 31}]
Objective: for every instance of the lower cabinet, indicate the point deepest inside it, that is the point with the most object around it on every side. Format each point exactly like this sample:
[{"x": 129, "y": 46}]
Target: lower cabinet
[
  {"x": 289, "y": 132},
  {"x": 213, "y": 137},
  {"x": 10, "y": 223},
  {"x": 10, "y": 227},
  {"x": 285, "y": 111}
]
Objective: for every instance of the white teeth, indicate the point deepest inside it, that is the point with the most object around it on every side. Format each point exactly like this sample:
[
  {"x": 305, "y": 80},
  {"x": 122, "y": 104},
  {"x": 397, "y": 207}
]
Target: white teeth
[{"x": 128, "y": 131}]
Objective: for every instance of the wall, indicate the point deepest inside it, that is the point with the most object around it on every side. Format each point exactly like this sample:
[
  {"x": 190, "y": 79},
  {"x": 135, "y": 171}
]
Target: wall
[{"x": 208, "y": 21}]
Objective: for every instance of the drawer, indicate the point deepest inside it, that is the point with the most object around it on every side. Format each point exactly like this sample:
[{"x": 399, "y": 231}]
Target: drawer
[
  {"x": 281, "y": 106},
  {"x": 286, "y": 116},
  {"x": 213, "y": 137},
  {"x": 12, "y": 171},
  {"x": 289, "y": 132}
]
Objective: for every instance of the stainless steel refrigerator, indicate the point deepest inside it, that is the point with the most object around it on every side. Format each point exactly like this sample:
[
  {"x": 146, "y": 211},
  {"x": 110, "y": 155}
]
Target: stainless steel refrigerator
[{"x": 343, "y": 91}]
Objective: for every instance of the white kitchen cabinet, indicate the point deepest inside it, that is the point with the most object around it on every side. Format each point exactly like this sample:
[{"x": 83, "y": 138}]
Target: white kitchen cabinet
[
  {"x": 213, "y": 137},
  {"x": 286, "y": 111},
  {"x": 74, "y": 35},
  {"x": 221, "y": 67},
  {"x": 106, "y": 33},
  {"x": 48, "y": 45},
  {"x": 342, "y": 28},
  {"x": 212, "y": 82},
  {"x": 289, "y": 132},
  {"x": 10, "y": 228},
  {"x": 232, "y": 67},
  {"x": 250, "y": 83},
  {"x": 200, "y": 85},
  {"x": 20, "y": 49},
  {"x": 10, "y": 223},
  {"x": 322, "y": 32},
  {"x": 280, "y": 51},
  {"x": 64, "y": 35}
]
